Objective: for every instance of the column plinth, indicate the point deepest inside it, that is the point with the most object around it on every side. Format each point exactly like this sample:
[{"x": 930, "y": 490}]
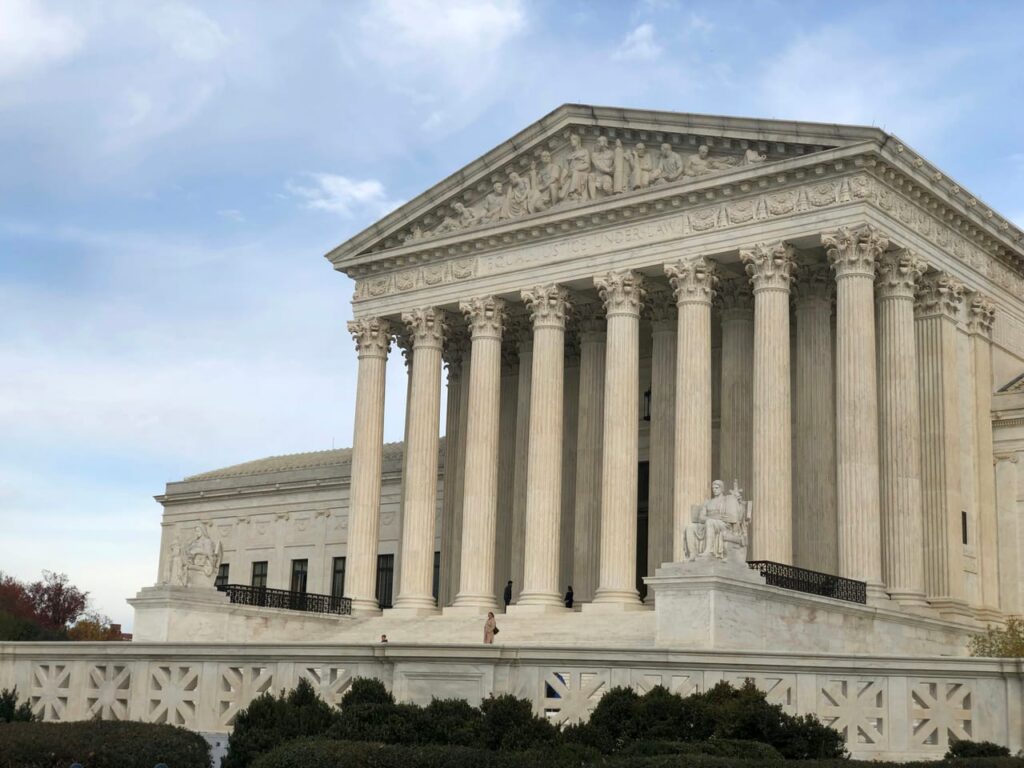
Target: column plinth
[
  {"x": 623, "y": 295},
  {"x": 853, "y": 253},
  {"x": 427, "y": 327},
  {"x": 541, "y": 592},
  {"x": 476, "y": 583},
  {"x": 899, "y": 419},
  {"x": 373, "y": 341},
  {"x": 770, "y": 267}
]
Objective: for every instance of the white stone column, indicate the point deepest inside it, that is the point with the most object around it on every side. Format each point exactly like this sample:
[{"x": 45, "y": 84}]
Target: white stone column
[
  {"x": 737, "y": 420},
  {"x": 524, "y": 335},
  {"x": 476, "y": 583},
  {"x": 853, "y": 253},
  {"x": 427, "y": 326},
  {"x": 589, "y": 437},
  {"x": 455, "y": 557},
  {"x": 899, "y": 421},
  {"x": 373, "y": 340},
  {"x": 548, "y": 305},
  {"x": 661, "y": 307},
  {"x": 455, "y": 345},
  {"x": 693, "y": 280},
  {"x": 570, "y": 427},
  {"x": 506, "y": 466},
  {"x": 939, "y": 298},
  {"x": 622, "y": 293},
  {"x": 770, "y": 267},
  {"x": 403, "y": 340},
  {"x": 815, "y": 533},
  {"x": 981, "y": 316},
  {"x": 1009, "y": 476}
]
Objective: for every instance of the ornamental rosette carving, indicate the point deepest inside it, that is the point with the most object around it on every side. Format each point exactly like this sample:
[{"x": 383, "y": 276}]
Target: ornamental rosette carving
[
  {"x": 621, "y": 291},
  {"x": 372, "y": 336},
  {"x": 661, "y": 309},
  {"x": 854, "y": 250},
  {"x": 590, "y": 322},
  {"x": 485, "y": 316},
  {"x": 939, "y": 295},
  {"x": 735, "y": 296},
  {"x": 548, "y": 305},
  {"x": 693, "y": 280},
  {"x": 770, "y": 265},
  {"x": 899, "y": 273},
  {"x": 981, "y": 315},
  {"x": 427, "y": 325},
  {"x": 814, "y": 282}
]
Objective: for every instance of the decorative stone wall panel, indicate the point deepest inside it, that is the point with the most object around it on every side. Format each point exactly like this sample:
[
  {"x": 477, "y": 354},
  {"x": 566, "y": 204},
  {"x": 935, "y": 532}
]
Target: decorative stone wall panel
[
  {"x": 108, "y": 691},
  {"x": 239, "y": 686},
  {"x": 51, "y": 690},
  {"x": 329, "y": 681},
  {"x": 570, "y": 695},
  {"x": 941, "y": 711},
  {"x": 173, "y": 694},
  {"x": 857, "y": 707}
]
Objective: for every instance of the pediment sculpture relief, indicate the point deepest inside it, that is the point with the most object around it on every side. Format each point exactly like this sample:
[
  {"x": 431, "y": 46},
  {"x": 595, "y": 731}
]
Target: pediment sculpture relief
[
  {"x": 582, "y": 174},
  {"x": 719, "y": 527}
]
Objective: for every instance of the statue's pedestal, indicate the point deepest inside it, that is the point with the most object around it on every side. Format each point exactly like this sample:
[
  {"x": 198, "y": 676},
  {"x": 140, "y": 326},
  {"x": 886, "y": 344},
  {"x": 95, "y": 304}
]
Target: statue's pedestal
[
  {"x": 710, "y": 604},
  {"x": 168, "y": 612}
]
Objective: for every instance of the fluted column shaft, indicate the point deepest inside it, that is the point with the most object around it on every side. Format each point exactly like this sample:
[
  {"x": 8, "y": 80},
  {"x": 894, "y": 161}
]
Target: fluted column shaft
[
  {"x": 460, "y": 475},
  {"x": 589, "y": 434},
  {"x": 622, "y": 294},
  {"x": 736, "y": 427},
  {"x": 427, "y": 326},
  {"x": 570, "y": 427},
  {"x": 693, "y": 281},
  {"x": 770, "y": 267},
  {"x": 981, "y": 316},
  {"x": 452, "y": 353},
  {"x": 506, "y": 469},
  {"x": 899, "y": 421},
  {"x": 372, "y": 336},
  {"x": 1009, "y": 471},
  {"x": 853, "y": 254},
  {"x": 524, "y": 395},
  {"x": 939, "y": 299},
  {"x": 548, "y": 306},
  {"x": 815, "y": 544},
  {"x": 661, "y": 480},
  {"x": 476, "y": 583}
]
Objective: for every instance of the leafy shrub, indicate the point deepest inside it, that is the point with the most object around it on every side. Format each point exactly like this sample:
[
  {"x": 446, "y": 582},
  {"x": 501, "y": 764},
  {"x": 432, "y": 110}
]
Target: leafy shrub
[
  {"x": 384, "y": 723},
  {"x": 451, "y": 721},
  {"x": 13, "y": 712},
  {"x": 968, "y": 748},
  {"x": 734, "y": 748},
  {"x": 509, "y": 724},
  {"x": 366, "y": 690},
  {"x": 101, "y": 744},
  {"x": 1007, "y": 642},
  {"x": 269, "y": 721}
]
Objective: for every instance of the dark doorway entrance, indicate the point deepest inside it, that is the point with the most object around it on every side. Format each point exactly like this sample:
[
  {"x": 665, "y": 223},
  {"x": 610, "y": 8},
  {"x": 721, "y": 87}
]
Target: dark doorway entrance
[{"x": 643, "y": 483}]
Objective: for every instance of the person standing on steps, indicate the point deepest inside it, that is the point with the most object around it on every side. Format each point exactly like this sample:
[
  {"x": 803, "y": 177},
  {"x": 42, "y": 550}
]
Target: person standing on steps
[
  {"x": 490, "y": 629},
  {"x": 508, "y": 594},
  {"x": 568, "y": 597}
]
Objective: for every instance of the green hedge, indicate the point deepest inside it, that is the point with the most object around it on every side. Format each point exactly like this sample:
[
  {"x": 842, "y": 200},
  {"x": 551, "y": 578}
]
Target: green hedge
[
  {"x": 341, "y": 754},
  {"x": 100, "y": 744}
]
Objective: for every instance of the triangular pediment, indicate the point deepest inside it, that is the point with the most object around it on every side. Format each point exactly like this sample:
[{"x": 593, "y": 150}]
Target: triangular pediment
[{"x": 578, "y": 155}]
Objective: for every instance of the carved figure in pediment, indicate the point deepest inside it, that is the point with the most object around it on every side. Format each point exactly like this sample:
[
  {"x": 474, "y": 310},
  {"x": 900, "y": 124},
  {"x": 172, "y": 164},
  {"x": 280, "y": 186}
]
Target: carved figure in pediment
[
  {"x": 576, "y": 184},
  {"x": 602, "y": 179},
  {"x": 495, "y": 206},
  {"x": 522, "y": 199},
  {"x": 547, "y": 180},
  {"x": 642, "y": 165},
  {"x": 669, "y": 167},
  {"x": 702, "y": 163},
  {"x": 753, "y": 157}
]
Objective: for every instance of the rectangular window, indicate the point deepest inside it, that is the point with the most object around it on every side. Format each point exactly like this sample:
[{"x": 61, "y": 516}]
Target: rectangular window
[
  {"x": 300, "y": 570},
  {"x": 963, "y": 526},
  {"x": 259, "y": 574},
  {"x": 385, "y": 579},
  {"x": 437, "y": 574},
  {"x": 222, "y": 576},
  {"x": 338, "y": 578}
]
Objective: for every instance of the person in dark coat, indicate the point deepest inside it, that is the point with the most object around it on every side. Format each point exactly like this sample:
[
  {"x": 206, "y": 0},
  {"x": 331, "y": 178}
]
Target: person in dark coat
[
  {"x": 508, "y": 594},
  {"x": 568, "y": 597}
]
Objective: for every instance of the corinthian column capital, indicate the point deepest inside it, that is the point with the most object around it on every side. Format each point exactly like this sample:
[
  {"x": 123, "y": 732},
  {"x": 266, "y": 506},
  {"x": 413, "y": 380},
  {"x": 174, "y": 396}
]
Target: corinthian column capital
[
  {"x": 899, "y": 273},
  {"x": 939, "y": 295},
  {"x": 485, "y": 316},
  {"x": 814, "y": 283},
  {"x": 662, "y": 309},
  {"x": 403, "y": 340},
  {"x": 854, "y": 250},
  {"x": 735, "y": 297},
  {"x": 769, "y": 265},
  {"x": 693, "y": 280},
  {"x": 590, "y": 322},
  {"x": 548, "y": 305},
  {"x": 621, "y": 291},
  {"x": 456, "y": 344},
  {"x": 427, "y": 326},
  {"x": 981, "y": 315},
  {"x": 372, "y": 336}
]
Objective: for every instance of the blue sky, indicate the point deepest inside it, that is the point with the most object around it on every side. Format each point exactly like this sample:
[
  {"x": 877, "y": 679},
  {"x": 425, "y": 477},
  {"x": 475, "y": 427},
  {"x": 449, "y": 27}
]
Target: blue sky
[{"x": 171, "y": 174}]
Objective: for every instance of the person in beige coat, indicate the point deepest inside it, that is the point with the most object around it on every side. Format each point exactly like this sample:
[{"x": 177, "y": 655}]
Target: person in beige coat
[{"x": 490, "y": 629}]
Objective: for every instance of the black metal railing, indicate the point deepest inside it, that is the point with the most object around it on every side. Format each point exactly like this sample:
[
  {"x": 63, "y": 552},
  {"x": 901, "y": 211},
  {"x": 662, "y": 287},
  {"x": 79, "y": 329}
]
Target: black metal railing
[
  {"x": 264, "y": 597},
  {"x": 811, "y": 582}
]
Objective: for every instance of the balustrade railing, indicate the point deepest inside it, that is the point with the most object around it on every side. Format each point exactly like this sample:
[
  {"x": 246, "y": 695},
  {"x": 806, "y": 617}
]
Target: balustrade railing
[
  {"x": 811, "y": 582},
  {"x": 264, "y": 597}
]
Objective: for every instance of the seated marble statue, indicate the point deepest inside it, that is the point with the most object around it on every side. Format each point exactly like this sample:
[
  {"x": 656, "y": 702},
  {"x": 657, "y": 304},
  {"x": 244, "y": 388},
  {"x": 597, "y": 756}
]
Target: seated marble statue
[
  {"x": 196, "y": 563},
  {"x": 718, "y": 528}
]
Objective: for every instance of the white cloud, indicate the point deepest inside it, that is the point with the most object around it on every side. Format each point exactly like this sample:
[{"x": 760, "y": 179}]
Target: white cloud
[
  {"x": 32, "y": 38},
  {"x": 191, "y": 34},
  {"x": 231, "y": 214},
  {"x": 342, "y": 195},
  {"x": 639, "y": 45}
]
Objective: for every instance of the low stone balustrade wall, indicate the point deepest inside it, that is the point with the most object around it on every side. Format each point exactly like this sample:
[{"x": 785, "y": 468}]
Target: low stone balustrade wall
[{"x": 887, "y": 707}]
